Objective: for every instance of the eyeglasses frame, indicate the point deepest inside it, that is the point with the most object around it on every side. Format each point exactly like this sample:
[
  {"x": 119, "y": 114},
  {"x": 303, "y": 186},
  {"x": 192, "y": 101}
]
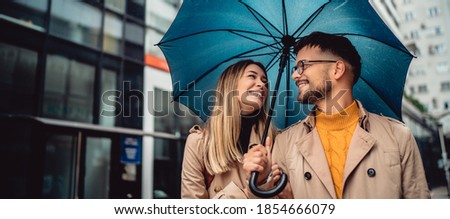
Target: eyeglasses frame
[{"x": 302, "y": 64}]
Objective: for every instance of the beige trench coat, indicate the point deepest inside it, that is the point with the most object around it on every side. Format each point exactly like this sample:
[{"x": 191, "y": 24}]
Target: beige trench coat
[
  {"x": 193, "y": 181},
  {"x": 383, "y": 161}
]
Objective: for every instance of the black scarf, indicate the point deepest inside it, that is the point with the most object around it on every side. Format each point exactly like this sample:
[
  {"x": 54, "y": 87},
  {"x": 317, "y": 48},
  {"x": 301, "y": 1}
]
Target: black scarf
[{"x": 247, "y": 122}]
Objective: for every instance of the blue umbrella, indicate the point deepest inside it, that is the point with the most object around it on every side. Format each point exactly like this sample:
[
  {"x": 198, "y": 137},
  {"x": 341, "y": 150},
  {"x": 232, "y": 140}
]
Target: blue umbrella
[{"x": 209, "y": 35}]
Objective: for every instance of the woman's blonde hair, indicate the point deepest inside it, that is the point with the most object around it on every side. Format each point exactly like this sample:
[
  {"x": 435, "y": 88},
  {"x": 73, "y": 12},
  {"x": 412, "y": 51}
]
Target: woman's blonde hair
[{"x": 224, "y": 124}]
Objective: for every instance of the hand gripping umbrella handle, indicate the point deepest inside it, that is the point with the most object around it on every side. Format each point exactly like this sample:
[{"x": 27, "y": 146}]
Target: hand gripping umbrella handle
[{"x": 267, "y": 193}]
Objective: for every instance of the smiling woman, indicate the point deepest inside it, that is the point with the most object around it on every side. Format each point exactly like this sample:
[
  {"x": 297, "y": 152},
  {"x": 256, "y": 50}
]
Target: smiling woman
[{"x": 212, "y": 165}]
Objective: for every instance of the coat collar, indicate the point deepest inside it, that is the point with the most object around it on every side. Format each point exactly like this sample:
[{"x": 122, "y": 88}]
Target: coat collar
[{"x": 311, "y": 148}]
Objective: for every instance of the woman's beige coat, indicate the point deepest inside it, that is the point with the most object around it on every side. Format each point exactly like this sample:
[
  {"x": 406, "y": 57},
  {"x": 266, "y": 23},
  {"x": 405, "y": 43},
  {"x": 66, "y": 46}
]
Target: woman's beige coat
[
  {"x": 383, "y": 161},
  {"x": 193, "y": 181}
]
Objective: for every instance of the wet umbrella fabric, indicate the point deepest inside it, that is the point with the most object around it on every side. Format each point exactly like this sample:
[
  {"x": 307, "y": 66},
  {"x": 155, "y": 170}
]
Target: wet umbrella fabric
[{"x": 209, "y": 35}]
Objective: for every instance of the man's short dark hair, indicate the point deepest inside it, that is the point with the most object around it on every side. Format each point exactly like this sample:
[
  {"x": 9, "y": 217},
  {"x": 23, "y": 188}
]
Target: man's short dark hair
[{"x": 336, "y": 45}]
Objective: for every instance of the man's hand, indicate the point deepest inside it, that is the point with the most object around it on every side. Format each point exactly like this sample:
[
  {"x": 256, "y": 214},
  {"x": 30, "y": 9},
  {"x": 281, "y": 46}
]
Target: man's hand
[{"x": 276, "y": 174}]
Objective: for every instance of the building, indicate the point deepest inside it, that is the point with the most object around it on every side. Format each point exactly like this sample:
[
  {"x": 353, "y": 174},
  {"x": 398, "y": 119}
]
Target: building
[
  {"x": 423, "y": 28},
  {"x": 75, "y": 80},
  {"x": 170, "y": 120},
  {"x": 425, "y": 25}
]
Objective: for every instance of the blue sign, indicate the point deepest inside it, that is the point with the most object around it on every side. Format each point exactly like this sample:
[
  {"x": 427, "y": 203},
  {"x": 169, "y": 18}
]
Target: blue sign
[{"x": 131, "y": 149}]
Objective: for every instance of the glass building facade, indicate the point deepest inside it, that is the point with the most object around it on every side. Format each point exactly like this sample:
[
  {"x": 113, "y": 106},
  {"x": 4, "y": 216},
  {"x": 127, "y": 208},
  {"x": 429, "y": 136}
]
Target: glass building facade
[
  {"x": 64, "y": 105},
  {"x": 74, "y": 112},
  {"x": 86, "y": 108},
  {"x": 60, "y": 57}
]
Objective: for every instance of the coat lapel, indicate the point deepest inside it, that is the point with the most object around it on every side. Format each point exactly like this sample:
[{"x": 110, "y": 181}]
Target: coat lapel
[
  {"x": 361, "y": 143},
  {"x": 311, "y": 148}
]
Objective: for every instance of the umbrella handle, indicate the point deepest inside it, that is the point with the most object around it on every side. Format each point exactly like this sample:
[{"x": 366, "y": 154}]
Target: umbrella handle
[{"x": 267, "y": 193}]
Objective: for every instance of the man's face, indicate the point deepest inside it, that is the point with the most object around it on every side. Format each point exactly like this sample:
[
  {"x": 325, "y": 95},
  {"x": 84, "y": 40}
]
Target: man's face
[{"x": 314, "y": 82}]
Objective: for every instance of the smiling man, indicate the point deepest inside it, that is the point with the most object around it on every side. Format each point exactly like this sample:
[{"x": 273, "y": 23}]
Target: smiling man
[{"x": 340, "y": 150}]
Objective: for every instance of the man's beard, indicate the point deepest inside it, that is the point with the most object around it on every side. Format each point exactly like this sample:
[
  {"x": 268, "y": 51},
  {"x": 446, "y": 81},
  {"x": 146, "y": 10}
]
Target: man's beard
[{"x": 311, "y": 96}]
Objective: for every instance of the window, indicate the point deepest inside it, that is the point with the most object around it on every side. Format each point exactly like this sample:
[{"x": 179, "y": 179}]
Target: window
[
  {"x": 167, "y": 153},
  {"x": 109, "y": 96},
  {"x": 437, "y": 49},
  {"x": 409, "y": 16},
  {"x": 116, "y": 5},
  {"x": 411, "y": 90},
  {"x": 434, "y": 103},
  {"x": 29, "y": 13},
  {"x": 112, "y": 37},
  {"x": 414, "y": 34},
  {"x": 442, "y": 67},
  {"x": 97, "y": 167},
  {"x": 133, "y": 99},
  {"x": 163, "y": 111},
  {"x": 416, "y": 72},
  {"x": 445, "y": 86},
  {"x": 434, "y": 31},
  {"x": 59, "y": 168},
  {"x": 134, "y": 41},
  {"x": 17, "y": 79},
  {"x": 69, "y": 89},
  {"x": 76, "y": 21},
  {"x": 437, "y": 31},
  {"x": 422, "y": 89},
  {"x": 136, "y": 8},
  {"x": 446, "y": 105},
  {"x": 433, "y": 12}
]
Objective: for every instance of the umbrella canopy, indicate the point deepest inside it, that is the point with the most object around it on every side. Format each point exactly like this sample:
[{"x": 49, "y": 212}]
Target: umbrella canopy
[{"x": 208, "y": 36}]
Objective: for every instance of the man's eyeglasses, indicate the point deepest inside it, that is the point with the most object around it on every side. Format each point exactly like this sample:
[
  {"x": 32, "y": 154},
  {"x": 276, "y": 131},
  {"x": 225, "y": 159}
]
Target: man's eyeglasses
[{"x": 300, "y": 67}]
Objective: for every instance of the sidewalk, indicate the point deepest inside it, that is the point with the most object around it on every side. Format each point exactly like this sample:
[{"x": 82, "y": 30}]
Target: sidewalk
[{"x": 439, "y": 193}]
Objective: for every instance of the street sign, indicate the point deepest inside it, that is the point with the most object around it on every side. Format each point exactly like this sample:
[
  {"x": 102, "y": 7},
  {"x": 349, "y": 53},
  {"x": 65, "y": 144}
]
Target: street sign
[{"x": 130, "y": 149}]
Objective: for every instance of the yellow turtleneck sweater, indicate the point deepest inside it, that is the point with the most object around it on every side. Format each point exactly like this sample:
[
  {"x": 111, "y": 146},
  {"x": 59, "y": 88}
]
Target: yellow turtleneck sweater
[{"x": 336, "y": 131}]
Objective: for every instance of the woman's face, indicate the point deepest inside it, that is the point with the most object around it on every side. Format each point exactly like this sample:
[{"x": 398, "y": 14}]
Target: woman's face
[{"x": 252, "y": 89}]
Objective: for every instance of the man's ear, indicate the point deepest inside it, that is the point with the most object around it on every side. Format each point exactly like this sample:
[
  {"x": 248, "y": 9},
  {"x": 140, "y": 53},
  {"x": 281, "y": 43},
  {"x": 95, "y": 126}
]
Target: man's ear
[{"x": 339, "y": 70}]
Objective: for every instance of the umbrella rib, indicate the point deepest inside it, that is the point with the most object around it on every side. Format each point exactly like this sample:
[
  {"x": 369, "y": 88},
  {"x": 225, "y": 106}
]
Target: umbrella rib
[
  {"x": 217, "y": 30},
  {"x": 254, "y": 12},
  {"x": 309, "y": 20},
  {"x": 378, "y": 94},
  {"x": 273, "y": 61},
  {"x": 262, "y": 54},
  {"x": 293, "y": 56},
  {"x": 246, "y": 37},
  {"x": 214, "y": 67},
  {"x": 285, "y": 23}
]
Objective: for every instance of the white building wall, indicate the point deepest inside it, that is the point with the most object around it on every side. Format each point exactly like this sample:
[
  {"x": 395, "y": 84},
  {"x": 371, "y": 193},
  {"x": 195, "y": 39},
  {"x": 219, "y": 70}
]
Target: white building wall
[
  {"x": 426, "y": 24},
  {"x": 159, "y": 16}
]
